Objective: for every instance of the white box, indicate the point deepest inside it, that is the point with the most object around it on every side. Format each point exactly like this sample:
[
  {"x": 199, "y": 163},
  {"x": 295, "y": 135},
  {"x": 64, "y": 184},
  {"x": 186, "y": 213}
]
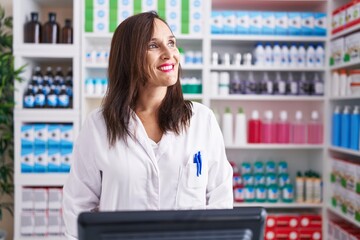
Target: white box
[
  {"x": 320, "y": 24},
  {"x": 229, "y": 19},
  {"x": 217, "y": 23},
  {"x": 40, "y": 199},
  {"x": 307, "y": 23},
  {"x": 352, "y": 46},
  {"x": 173, "y": 16},
  {"x": 268, "y": 22},
  {"x": 337, "y": 50},
  {"x": 125, "y": 10},
  {"x": 349, "y": 10},
  {"x": 54, "y": 160},
  {"x": 27, "y": 135},
  {"x": 281, "y": 23},
  {"x": 196, "y": 17},
  {"x": 27, "y": 199},
  {"x": 242, "y": 22},
  {"x": 54, "y": 223},
  {"x": 41, "y": 223},
  {"x": 40, "y": 131},
  {"x": 40, "y": 160},
  {"x": 55, "y": 198},
  {"x": 102, "y": 4},
  {"x": 101, "y": 20},
  {"x": 294, "y": 23},
  {"x": 27, "y": 223},
  {"x": 256, "y": 24},
  {"x": 27, "y": 160},
  {"x": 54, "y": 135},
  {"x": 147, "y": 6}
]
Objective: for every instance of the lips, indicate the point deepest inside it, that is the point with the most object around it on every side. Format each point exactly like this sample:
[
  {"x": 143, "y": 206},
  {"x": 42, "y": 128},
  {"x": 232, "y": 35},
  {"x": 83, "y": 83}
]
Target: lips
[{"x": 166, "y": 67}]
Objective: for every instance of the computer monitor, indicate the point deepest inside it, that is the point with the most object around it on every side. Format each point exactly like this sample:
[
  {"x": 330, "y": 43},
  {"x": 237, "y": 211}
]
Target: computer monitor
[{"x": 232, "y": 224}]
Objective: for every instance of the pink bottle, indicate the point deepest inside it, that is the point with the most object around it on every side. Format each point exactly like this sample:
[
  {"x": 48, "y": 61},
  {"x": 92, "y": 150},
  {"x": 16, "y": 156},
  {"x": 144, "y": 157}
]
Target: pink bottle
[
  {"x": 254, "y": 128},
  {"x": 315, "y": 129},
  {"x": 283, "y": 128},
  {"x": 298, "y": 129},
  {"x": 268, "y": 128}
]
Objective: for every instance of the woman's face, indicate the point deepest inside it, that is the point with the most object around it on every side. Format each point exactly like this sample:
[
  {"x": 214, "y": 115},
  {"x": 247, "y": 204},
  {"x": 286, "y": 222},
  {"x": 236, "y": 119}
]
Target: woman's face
[{"x": 162, "y": 57}]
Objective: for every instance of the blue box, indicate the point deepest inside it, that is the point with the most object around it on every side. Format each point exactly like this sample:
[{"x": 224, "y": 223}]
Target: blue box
[
  {"x": 242, "y": 22},
  {"x": 255, "y": 23},
  {"x": 27, "y": 160},
  {"x": 54, "y": 160},
  {"x": 67, "y": 136},
  {"x": 54, "y": 136},
  {"x": 294, "y": 23},
  {"x": 27, "y": 136},
  {"x": 268, "y": 19},
  {"x": 307, "y": 23},
  {"x": 66, "y": 154},
  {"x": 320, "y": 24},
  {"x": 281, "y": 23},
  {"x": 40, "y": 135},
  {"x": 229, "y": 22},
  {"x": 217, "y": 24},
  {"x": 40, "y": 160}
]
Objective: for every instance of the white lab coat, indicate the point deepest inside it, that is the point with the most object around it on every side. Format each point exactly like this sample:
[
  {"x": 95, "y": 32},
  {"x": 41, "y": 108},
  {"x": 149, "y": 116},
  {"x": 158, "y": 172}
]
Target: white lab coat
[{"x": 134, "y": 179}]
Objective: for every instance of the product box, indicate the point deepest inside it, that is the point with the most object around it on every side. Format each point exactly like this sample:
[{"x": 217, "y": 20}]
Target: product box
[
  {"x": 310, "y": 234},
  {"x": 173, "y": 18},
  {"x": 27, "y": 136},
  {"x": 271, "y": 222},
  {"x": 307, "y": 23},
  {"x": 40, "y": 198},
  {"x": 101, "y": 20},
  {"x": 357, "y": 179},
  {"x": 352, "y": 47},
  {"x": 100, "y": 4},
  {"x": 287, "y": 233},
  {"x": 229, "y": 19},
  {"x": 268, "y": 22},
  {"x": 40, "y": 131},
  {"x": 54, "y": 223},
  {"x": 337, "y": 51},
  {"x": 67, "y": 136},
  {"x": 217, "y": 24},
  {"x": 242, "y": 22},
  {"x": 125, "y": 9},
  {"x": 27, "y": 223},
  {"x": 54, "y": 135},
  {"x": 349, "y": 9},
  {"x": 147, "y": 6},
  {"x": 310, "y": 221},
  {"x": 256, "y": 24},
  {"x": 338, "y": 22},
  {"x": 55, "y": 198},
  {"x": 281, "y": 23},
  {"x": 27, "y": 199},
  {"x": 269, "y": 234},
  {"x": 27, "y": 160},
  {"x": 40, "y": 160},
  {"x": 294, "y": 23},
  {"x": 65, "y": 159},
  {"x": 320, "y": 24},
  {"x": 239, "y": 194},
  {"x": 287, "y": 221},
  {"x": 41, "y": 222},
  {"x": 196, "y": 17},
  {"x": 54, "y": 160}
]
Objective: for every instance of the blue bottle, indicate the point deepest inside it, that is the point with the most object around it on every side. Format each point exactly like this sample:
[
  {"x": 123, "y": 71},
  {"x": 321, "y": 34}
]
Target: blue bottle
[
  {"x": 345, "y": 128},
  {"x": 336, "y": 127},
  {"x": 355, "y": 129}
]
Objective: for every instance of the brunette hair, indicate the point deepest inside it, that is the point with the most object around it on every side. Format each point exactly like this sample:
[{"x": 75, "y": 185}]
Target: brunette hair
[{"x": 127, "y": 73}]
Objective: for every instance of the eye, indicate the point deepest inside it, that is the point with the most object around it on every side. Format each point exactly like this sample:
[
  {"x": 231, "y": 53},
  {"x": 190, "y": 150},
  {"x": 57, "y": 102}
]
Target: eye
[
  {"x": 152, "y": 45},
  {"x": 172, "y": 43}
]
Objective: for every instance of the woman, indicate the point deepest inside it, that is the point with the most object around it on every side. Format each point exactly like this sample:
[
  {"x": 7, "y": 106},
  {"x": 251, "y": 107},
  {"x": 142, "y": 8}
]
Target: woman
[{"x": 146, "y": 148}]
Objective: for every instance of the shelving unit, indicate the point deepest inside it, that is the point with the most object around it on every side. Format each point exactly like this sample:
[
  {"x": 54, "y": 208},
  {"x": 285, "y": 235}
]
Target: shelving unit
[
  {"x": 342, "y": 216},
  {"x": 283, "y": 206}
]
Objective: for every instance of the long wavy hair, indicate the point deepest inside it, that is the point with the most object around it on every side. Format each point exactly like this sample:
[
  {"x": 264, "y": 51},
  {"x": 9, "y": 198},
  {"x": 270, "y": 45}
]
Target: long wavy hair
[{"x": 127, "y": 73}]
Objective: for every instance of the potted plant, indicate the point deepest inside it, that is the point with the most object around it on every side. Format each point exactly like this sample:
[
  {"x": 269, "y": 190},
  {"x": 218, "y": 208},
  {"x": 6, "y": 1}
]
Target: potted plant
[{"x": 8, "y": 74}]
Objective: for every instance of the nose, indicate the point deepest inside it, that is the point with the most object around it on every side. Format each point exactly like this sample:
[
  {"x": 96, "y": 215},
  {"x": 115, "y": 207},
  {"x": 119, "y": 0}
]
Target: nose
[{"x": 166, "y": 53}]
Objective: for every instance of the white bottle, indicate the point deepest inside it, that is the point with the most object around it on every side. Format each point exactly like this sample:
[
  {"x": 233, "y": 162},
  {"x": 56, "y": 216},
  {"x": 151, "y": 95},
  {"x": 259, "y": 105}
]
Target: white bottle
[
  {"x": 302, "y": 55},
  {"x": 293, "y": 56},
  {"x": 319, "y": 56},
  {"x": 335, "y": 78},
  {"x": 319, "y": 85},
  {"x": 276, "y": 55},
  {"x": 227, "y": 127},
  {"x": 224, "y": 84},
  {"x": 310, "y": 56},
  {"x": 268, "y": 83},
  {"x": 281, "y": 84},
  {"x": 294, "y": 85},
  {"x": 284, "y": 55},
  {"x": 240, "y": 128},
  {"x": 343, "y": 81},
  {"x": 268, "y": 55},
  {"x": 259, "y": 55},
  {"x": 214, "y": 77}
]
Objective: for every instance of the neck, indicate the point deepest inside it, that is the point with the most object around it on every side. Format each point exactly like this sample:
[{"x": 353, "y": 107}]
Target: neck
[{"x": 150, "y": 100}]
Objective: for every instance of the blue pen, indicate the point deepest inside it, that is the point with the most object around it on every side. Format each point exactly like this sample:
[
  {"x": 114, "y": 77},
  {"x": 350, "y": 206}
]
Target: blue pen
[
  {"x": 200, "y": 162},
  {"x": 196, "y": 160}
]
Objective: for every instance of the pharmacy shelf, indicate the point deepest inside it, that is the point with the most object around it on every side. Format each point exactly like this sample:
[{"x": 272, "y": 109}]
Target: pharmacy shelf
[
  {"x": 349, "y": 65},
  {"x": 343, "y": 216},
  {"x": 46, "y": 115},
  {"x": 267, "y": 98},
  {"x": 41, "y": 179},
  {"x": 345, "y": 150},
  {"x": 193, "y": 96},
  {"x": 344, "y": 98},
  {"x": 42, "y": 238},
  {"x": 105, "y": 66},
  {"x": 345, "y": 31},
  {"x": 270, "y": 68},
  {"x": 46, "y": 50},
  {"x": 277, "y": 146},
  {"x": 109, "y": 36},
  {"x": 281, "y": 205},
  {"x": 94, "y": 97},
  {"x": 270, "y": 38}
]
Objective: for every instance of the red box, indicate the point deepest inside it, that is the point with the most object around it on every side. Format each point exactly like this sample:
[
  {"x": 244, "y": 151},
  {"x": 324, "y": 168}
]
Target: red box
[
  {"x": 310, "y": 221},
  {"x": 310, "y": 234},
  {"x": 269, "y": 234},
  {"x": 286, "y": 233},
  {"x": 287, "y": 221},
  {"x": 270, "y": 222}
]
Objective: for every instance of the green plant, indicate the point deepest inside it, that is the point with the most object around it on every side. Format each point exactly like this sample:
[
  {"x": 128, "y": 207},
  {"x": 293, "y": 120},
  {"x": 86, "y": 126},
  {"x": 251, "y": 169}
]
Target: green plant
[{"x": 8, "y": 74}]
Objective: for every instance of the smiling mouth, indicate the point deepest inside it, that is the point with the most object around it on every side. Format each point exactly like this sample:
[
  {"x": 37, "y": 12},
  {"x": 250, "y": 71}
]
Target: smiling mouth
[{"x": 167, "y": 68}]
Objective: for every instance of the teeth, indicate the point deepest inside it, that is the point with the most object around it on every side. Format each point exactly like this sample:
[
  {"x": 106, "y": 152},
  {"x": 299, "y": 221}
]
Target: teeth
[{"x": 166, "y": 68}]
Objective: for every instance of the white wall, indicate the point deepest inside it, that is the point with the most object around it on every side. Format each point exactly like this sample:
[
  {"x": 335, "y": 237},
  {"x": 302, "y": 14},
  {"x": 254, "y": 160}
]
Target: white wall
[{"x": 7, "y": 221}]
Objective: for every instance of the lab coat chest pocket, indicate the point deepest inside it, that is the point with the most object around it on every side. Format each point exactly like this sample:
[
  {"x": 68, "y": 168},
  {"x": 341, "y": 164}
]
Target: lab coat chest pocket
[{"x": 196, "y": 171}]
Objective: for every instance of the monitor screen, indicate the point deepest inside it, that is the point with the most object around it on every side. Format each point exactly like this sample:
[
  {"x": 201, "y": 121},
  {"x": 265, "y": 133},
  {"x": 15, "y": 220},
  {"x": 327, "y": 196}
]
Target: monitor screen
[{"x": 231, "y": 224}]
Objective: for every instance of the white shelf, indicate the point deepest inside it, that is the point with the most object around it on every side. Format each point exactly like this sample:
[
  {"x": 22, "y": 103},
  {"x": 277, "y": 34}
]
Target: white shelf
[
  {"x": 42, "y": 238},
  {"x": 281, "y": 205},
  {"x": 344, "y": 98},
  {"x": 346, "y": 65},
  {"x": 240, "y": 97},
  {"x": 270, "y": 68},
  {"x": 345, "y": 150},
  {"x": 345, "y": 31},
  {"x": 272, "y": 38},
  {"x": 105, "y": 66},
  {"x": 46, "y": 50},
  {"x": 46, "y": 115},
  {"x": 41, "y": 179},
  {"x": 109, "y": 36},
  {"x": 277, "y": 146},
  {"x": 343, "y": 216},
  {"x": 193, "y": 96},
  {"x": 192, "y": 67},
  {"x": 94, "y": 97}
]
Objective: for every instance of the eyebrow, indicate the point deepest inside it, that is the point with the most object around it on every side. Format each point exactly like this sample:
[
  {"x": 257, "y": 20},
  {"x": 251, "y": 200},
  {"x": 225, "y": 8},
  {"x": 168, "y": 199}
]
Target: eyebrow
[{"x": 170, "y": 37}]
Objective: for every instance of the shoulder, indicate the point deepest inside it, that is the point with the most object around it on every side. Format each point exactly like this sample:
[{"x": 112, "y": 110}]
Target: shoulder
[
  {"x": 95, "y": 121},
  {"x": 201, "y": 110}
]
